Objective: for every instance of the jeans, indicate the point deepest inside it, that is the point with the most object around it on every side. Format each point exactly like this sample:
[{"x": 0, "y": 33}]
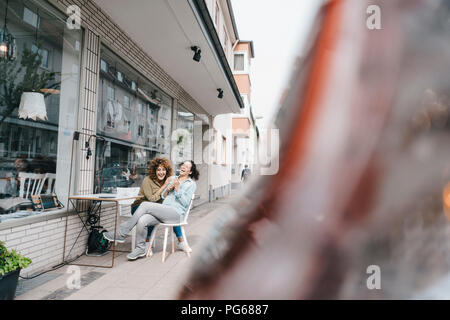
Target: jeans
[
  {"x": 148, "y": 214},
  {"x": 177, "y": 230}
]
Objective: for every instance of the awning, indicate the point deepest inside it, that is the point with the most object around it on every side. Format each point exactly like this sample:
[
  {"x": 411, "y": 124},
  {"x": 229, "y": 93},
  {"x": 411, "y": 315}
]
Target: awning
[{"x": 166, "y": 30}]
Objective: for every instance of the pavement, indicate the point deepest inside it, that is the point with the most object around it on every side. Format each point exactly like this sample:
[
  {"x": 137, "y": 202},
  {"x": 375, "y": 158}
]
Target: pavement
[{"x": 142, "y": 279}]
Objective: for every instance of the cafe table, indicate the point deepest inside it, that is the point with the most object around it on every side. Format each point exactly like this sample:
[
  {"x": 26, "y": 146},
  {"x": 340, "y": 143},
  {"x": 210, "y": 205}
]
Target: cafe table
[{"x": 98, "y": 199}]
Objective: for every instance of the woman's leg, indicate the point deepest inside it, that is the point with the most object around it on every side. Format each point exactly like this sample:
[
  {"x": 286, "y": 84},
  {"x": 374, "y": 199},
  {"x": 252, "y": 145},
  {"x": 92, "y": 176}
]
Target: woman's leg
[
  {"x": 149, "y": 231},
  {"x": 161, "y": 212},
  {"x": 146, "y": 221},
  {"x": 178, "y": 233}
]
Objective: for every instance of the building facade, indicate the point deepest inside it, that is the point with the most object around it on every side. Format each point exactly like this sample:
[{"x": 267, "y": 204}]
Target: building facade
[
  {"x": 120, "y": 86},
  {"x": 237, "y": 133}
]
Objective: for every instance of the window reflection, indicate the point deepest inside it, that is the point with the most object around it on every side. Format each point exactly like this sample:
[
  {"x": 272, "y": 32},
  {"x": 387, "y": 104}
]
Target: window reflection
[
  {"x": 184, "y": 135},
  {"x": 38, "y": 140},
  {"x": 134, "y": 117}
]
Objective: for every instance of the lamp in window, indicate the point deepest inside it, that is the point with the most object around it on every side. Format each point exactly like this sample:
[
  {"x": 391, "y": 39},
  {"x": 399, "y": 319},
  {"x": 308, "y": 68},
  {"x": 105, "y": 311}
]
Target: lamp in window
[
  {"x": 32, "y": 103},
  {"x": 32, "y": 106},
  {"x": 8, "y": 48},
  {"x": 4, "y": 47},
  {"x": 198, "y": 53}
]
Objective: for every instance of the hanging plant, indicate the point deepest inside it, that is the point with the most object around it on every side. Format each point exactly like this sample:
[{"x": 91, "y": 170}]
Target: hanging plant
[{"x": 182, "y": 135}]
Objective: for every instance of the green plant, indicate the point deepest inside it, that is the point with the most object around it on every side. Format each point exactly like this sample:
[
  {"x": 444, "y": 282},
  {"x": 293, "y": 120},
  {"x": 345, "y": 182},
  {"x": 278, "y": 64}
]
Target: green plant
[
  {"x": 11, "y": 260},
  {"x": 26, "y": 76}
]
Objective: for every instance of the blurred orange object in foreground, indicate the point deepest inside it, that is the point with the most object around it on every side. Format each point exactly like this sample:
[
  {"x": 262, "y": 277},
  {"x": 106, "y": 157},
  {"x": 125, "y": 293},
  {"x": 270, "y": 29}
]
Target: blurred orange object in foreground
[
  {"x": 364, "y": 155},
  {"x": 446, "y": 200}
]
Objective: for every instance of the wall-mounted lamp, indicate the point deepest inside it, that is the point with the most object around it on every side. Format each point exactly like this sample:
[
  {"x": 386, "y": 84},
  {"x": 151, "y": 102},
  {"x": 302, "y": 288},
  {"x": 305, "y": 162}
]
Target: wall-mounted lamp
[
  {"x": 198, "y": 53},
  {"x": 87, "y": 144},
  {"x": 220, "y": 96}
]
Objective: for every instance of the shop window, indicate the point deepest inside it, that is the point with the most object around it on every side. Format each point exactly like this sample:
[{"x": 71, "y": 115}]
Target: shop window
[
  {"x": 40, "y": 144},
  {"x": 183, "y": 137},
  {"x": 132, "y": 139}
]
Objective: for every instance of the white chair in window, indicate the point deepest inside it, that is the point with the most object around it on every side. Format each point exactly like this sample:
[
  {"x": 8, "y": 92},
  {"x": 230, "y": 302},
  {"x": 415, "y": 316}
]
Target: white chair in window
[
  {"x": 31, "y": 184},
  {"x": 51, "y": 178},
  {"x": 125, "y": 208},
  {"x": 166, "y": 233}
]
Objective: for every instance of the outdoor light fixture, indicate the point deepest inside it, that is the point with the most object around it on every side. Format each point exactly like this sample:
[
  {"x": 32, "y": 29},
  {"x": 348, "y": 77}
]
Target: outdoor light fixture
[
  {"x": 220, "y": 96},
  {"x": 88, "y": 146},
  {"x": 8, "y": 48},
  {"x": 198, "y": 53}
]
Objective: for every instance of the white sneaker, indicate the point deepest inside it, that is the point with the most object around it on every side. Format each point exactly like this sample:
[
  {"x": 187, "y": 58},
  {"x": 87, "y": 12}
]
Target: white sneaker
[{"x": 183, "y": 247}]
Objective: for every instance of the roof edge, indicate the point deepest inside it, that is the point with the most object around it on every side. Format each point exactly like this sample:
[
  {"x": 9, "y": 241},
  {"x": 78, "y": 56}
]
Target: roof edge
[{"x": 203, "y": 13}]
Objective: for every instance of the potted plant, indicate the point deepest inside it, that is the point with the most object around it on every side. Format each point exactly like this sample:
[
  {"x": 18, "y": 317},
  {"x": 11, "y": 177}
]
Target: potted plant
[{"x": 10, "y": 264}]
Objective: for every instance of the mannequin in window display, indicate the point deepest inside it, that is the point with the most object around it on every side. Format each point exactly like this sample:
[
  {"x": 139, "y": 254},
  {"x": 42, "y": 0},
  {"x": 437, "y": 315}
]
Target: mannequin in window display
[
  {"x": 11, "y": 189},
  {"x": 43, "y": 164}
]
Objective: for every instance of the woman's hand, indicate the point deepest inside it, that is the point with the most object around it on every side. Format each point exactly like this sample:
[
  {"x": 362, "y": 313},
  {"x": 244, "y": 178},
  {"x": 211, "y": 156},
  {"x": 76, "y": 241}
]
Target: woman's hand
[
  {"x": 171, "y": 187},
  {"x": 176, "y": 184},
  {"x": 166, "y": 183}
]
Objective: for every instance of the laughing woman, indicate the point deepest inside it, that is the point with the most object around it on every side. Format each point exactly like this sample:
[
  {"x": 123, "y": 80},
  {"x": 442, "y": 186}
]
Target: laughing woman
[{"x": 177, "y": 195}]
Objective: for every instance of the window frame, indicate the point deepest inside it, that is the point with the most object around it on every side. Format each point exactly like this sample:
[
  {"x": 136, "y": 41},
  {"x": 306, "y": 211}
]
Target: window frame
[{"x": 246, "y": 69}]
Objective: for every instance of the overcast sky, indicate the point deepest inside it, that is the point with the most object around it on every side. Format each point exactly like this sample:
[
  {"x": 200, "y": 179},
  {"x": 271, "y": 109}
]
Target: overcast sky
[{"x": 278, "y": 30}]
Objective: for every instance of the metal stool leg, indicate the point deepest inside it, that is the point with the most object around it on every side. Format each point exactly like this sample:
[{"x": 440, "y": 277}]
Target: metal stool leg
[
  {"x": 152, "y": 239},
  {"x": 166, "y": 231},
  {"x": 173, "y": 244},
  {"x": 185, "y": 241}
]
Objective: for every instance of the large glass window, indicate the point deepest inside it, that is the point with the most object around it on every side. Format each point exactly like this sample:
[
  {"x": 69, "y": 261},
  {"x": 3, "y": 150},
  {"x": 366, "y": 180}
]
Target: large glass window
[
  {"x": 134, "y": 118},
  {"x": 39, "y": 88},
  {"x": 183, "y": 137}
]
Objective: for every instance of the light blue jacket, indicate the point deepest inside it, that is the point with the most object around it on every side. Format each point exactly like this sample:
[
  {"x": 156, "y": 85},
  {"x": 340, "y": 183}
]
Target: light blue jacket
[{"x": 180, "y": 200}]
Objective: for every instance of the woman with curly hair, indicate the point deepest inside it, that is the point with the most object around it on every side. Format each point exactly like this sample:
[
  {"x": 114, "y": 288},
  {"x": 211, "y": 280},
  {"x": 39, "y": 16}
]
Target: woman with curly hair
[
  {"x": 158, "y": 171},
  {"x": 151, "y": 189}
]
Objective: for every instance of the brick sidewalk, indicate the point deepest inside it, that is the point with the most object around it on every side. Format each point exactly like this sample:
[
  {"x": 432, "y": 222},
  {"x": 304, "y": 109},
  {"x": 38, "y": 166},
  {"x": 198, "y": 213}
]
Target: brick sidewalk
[{"x": 145, "y": 278}]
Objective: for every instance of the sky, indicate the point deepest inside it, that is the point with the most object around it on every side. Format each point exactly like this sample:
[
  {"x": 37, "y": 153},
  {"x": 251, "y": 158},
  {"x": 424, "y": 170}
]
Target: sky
[{"x": 278, "y": 30}]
